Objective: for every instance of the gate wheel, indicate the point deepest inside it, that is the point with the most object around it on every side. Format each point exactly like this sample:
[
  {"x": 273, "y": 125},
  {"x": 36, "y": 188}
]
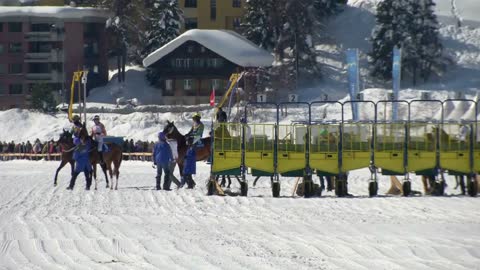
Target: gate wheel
[
  {"x": 243, "y": 188},
  {"x": 440, "y": 188},
  {"x": 276, "y": 189},
  {"x": 407, "y": 188},
  {"x": 472, "y": 187},
  {"x": 373, "y": 188}
]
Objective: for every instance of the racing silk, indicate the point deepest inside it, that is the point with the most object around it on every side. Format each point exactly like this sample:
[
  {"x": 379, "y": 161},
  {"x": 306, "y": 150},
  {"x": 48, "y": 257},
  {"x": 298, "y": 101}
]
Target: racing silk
[
  {"x": 98, "y": 132},
  {"x": 197, "y": 131},
  {"x": 77, "y": 127}
]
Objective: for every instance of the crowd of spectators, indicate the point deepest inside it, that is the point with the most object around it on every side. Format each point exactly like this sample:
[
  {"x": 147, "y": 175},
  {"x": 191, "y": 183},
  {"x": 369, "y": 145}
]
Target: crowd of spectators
[{"x": 47, "y": 148}]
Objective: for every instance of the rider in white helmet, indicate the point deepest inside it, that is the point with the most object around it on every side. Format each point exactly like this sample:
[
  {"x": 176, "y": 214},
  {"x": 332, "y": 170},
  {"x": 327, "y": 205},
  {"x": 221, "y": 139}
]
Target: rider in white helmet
[{"x": 98, "y": 133}]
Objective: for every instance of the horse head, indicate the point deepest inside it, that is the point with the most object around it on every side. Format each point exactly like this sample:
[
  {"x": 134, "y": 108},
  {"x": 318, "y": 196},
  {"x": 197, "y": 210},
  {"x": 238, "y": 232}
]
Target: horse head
[
  {"x": 169, "y": 129},
  {"x": 65, "y": 137}
]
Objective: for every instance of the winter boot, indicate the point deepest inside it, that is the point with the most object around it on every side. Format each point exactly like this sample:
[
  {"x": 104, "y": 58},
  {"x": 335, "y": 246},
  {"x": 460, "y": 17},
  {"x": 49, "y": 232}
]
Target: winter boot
[
  {"x": 158, "y": 183},
  {"x": 72, "y": 181}
]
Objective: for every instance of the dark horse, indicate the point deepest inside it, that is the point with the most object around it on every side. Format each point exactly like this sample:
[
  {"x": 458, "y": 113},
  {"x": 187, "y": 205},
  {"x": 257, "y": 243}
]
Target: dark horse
[
  {"x": 202, "y": 153},
  {"x": 113, "y": 155},
  {"x": 66, "y": 142}
]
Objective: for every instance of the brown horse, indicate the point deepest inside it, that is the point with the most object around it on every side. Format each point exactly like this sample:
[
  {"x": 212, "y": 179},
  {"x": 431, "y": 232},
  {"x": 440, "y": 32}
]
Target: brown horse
[
  {"x": 202, "y": 153},
  {"x": 66, "y": 142}
]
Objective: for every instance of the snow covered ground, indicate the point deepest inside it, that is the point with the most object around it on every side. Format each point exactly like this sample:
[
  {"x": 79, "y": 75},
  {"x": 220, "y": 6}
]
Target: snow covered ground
[{"x": 136, "y": 227}]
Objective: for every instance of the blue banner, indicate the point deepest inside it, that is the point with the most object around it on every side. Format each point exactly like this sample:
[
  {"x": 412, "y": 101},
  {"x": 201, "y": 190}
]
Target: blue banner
[
  {"x": 396, "y": 77},
  {"x": 353, "y": 79}
]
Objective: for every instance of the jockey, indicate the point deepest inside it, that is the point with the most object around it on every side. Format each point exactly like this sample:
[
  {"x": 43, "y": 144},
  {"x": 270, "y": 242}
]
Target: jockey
[
  {"x": 98, "y": 133},
  {"x": 77, "y": 125},
  {"x": 197, "y": 129}
]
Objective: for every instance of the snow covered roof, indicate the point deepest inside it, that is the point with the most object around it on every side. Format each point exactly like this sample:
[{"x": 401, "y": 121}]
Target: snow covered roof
[
  {"x": 64, "y": 13},
  {"x": 227, "y": 44}
]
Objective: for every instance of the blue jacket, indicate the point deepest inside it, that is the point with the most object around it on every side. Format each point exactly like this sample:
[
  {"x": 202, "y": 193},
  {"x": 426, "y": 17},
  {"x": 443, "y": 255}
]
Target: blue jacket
[
  {"x": 82, "y": 155},
  {"x": 190, "y": 163},
  {"x": 162, "y": 154}
]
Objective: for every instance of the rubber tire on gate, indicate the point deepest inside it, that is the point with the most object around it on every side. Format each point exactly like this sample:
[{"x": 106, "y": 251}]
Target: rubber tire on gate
[
  {"x": 276, "y": 189},
  {"x": 340, "y": 188},
  {"x": 373, "y": 189},
  {"x": 243, "y": 188},
  {"x": 407, "y": 188},
  {"x": 210, "y": 188},
  {"x": 472, "y": 187}
]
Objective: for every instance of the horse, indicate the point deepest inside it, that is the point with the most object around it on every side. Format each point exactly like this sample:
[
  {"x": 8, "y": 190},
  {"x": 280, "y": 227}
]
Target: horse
[
  {"x": 202, "y": 153},
  {"x": 113, "y": 155},
  {"x": 66, "y": 142}
]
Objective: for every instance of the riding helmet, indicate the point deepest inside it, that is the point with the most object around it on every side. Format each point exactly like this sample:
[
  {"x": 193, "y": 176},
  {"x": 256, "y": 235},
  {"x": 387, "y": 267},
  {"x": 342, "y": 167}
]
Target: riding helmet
[
  {"x": 196, "y": 115},
  {"x": 96, "y": 117},
  {"x": 76, "y": 117}
]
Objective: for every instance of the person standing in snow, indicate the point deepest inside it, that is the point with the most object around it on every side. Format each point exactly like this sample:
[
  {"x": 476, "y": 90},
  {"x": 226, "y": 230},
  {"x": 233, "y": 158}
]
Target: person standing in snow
[
  {"x": 162, "y": 157},
  {"x": 221, "y": 115},
  {"x": 82, "y": 161},
  {"x": 174, "y": 148},
  {"x": 189, "y": 165}
]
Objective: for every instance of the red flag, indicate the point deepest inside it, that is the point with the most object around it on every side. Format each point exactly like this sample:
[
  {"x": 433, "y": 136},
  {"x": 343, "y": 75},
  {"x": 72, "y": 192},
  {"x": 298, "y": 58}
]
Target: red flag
[{"x": 212, "y": 98}]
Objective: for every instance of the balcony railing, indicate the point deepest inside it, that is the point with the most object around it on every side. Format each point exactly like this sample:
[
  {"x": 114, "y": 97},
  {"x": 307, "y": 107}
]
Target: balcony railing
[
  {"x": 44, "y": 36},
  {"x": 52, "y": 56},
  {"x": 53, "y": 76}
]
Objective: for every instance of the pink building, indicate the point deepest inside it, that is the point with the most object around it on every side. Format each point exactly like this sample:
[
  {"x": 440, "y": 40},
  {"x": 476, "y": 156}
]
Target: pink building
[{"x": 46, "y": 45}]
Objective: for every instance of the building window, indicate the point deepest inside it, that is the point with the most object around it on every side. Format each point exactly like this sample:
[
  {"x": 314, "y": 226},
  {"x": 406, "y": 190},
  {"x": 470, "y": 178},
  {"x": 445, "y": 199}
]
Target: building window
[
  {"x": 213, "y": 10},
  {"x": 216, "y": 84},
  {"x": 41, "y": 27},
  {"x": 15, "y": 27},
  {"x": 236, "y": 23},
  {"x": 217, "y": 62},
  {"x": 236, "y": 3},
  {"x": 168, "y": 84},
  {"x": 15, "y": 89},
  {"x": 95, "y": 69},
  {"x": 1, "y": 27},
  {"x": 3, "y": 69},
  {"x": 190, "y": 3},
  {"x": 16, "y": 68},
  {"x": 1, "y": 49},
  {"x": 15, "y": 47},
  {"x": 191, "y": 23},
  {"x": 179, "y": 62},
  {"x": 190, "y": 49},
  {"x": 187, "y": 84},
  {"x": 202, "y": 49},
  {"x": 39, "y": 68},
  {"x": 3, "y": 89}
]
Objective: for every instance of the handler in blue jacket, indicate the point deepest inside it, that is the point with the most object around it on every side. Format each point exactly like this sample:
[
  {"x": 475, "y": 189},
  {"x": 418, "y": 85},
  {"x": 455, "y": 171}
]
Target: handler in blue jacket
[
  {"x": 189, "y": 165},
  {"x": 162, "y": 157},
  {"x": 82, "y": 161}
]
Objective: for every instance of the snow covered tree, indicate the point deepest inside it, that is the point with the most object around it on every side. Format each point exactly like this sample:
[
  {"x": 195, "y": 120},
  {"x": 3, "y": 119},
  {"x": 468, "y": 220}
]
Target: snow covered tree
[
  {"x": 327, "y": 7},
  {"x": 256, "y": 23},
  {"x": 163, "y": 25},
  {"x": 412, "y": 26}
]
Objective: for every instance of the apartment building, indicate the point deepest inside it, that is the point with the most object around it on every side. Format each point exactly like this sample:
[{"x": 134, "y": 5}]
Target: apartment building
[
  {"x": 46, "y": 45},
  {"x": 213, "y": 14}
]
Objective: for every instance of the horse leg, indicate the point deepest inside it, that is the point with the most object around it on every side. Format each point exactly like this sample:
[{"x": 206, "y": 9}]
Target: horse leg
[
  {"x": 117, "y": 163},
  {"x": 255, "y": 181},
  {"x": 94, "y": 173},
  {"x": 104, "y": 169},
  {"x": 229, "y": 181},
  {"x": 110, "y": 172},
  {"x": 62, "y": 164}
]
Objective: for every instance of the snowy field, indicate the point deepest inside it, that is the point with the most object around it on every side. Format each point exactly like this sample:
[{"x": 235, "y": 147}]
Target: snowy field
[{"x": 136, "y": 227}]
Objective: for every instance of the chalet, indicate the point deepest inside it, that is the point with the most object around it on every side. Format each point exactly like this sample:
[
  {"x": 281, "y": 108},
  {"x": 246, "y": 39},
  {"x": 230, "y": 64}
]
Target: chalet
[{"x": 194, "y": 63}]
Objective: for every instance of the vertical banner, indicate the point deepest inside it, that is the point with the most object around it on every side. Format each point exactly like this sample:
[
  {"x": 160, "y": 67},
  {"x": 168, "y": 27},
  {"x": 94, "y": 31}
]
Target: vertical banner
[
  {"x": 353, "y": 79},
  {"x": 396, "y": 78}
]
